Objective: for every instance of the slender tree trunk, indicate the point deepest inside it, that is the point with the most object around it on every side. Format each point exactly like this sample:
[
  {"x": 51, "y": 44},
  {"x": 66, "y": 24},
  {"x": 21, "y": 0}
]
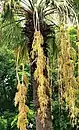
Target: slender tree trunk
[
  {"x": 29, "y": 32},
  {"x": 48, "y": 121}
]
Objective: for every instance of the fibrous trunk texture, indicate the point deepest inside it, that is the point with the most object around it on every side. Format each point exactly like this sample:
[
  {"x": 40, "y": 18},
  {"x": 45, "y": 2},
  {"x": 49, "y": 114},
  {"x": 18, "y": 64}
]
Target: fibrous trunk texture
[
  {"x": 48, "y": 122},
  {"x": 43, "y": 112},
  {"x": 29, "y": 33}
]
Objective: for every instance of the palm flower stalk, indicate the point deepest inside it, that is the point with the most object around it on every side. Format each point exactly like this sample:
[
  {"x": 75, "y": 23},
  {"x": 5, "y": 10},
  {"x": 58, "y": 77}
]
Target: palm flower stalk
[
  {"x": 66, "y": 74},
  {"x": 39, "y": 75},
  {"x": 78, "y": 49},
  {"x": 20, "y": 97}
]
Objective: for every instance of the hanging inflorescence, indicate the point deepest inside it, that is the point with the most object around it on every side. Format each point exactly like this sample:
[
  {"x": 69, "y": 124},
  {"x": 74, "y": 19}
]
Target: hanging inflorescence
[
  {"x": 20, "y": 97},
  {"x": 78, "y": 50},
  {"x": 67, "y": 80},
  {"x": 39, "y": 74}
]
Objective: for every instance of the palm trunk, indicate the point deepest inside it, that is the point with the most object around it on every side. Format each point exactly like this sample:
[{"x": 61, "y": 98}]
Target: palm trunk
[
  {"x": 29, "y": 32},
  {"x": 48, "y": 121}
]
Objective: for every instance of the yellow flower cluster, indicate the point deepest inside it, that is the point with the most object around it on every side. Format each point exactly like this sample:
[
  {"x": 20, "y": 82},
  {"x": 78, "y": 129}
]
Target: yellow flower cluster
[
  {"x": 67, "y": 80},
  {"x": 20, "y": 97},
  {"x": 39, "y": 74},
  {"x": 78, "y": 51}
]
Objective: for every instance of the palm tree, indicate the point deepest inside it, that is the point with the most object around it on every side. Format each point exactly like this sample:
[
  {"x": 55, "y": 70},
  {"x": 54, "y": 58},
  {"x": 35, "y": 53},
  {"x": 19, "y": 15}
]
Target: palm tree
[{"x": 40, "y": 16}]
